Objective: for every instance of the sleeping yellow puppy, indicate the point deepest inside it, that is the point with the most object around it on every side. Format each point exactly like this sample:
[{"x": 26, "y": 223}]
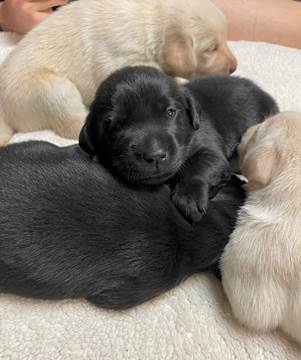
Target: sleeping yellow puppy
[
  {"x": 51, "y": 77},
  {"x": 261, "y": 265}
]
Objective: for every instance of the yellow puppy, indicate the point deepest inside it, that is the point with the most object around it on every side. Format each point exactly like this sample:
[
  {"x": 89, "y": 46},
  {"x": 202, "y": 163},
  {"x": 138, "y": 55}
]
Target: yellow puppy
[
  {"x": 51, "y": 77},
  {"x": 261, "y": 265}
]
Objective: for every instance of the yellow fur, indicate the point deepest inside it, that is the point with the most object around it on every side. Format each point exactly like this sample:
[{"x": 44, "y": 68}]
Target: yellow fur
[
  {"x": 261, "y": 265},
  {"x": 50, "y": 78}
]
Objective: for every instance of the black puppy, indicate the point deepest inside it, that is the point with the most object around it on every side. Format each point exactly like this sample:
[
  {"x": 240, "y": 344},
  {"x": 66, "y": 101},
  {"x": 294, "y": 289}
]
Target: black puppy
[
  {"x": 146, "y": 129},
  {"x": 69, "y": 229}
]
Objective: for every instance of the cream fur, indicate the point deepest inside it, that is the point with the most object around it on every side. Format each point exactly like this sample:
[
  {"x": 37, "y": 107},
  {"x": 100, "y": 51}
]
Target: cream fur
[
  {"x": 50, "y": 78},
  {"x": 261, "y": 265}
]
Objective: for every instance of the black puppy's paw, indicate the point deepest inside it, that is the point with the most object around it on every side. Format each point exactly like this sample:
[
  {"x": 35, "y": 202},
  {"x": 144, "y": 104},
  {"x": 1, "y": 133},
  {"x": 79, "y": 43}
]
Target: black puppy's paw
[{"x": 191, "y": 199}]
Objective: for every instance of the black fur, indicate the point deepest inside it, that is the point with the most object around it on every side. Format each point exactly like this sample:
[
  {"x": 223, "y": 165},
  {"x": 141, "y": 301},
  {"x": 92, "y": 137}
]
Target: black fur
[
  {"x": 146, "y": 129},
  {"x": 69, "y": 229}
]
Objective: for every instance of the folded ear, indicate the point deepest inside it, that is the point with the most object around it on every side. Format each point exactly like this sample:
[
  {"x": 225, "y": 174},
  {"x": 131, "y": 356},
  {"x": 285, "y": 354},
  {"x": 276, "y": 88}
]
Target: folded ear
[
  {"x": 192, "y": 108},
  {"x": 178, "y": 54},
  {"x": 259, "y": 166},
  {"x": 246, "y": 138},
  {"x": 85, "y": 136}
]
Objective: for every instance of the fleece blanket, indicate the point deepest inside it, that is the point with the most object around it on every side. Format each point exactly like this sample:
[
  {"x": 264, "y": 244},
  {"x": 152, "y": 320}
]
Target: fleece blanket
[{"x": 193, "y": 321}]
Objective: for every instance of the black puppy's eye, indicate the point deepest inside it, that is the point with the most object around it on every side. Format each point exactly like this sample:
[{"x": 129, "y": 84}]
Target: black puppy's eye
[{"x": 171, "y": 112}]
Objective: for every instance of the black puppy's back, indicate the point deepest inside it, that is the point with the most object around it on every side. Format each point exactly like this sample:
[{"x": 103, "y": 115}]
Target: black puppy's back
[
  {"x": 232, "y": 104},
  {"x": 66, "y": 221},
  {"x": 69, "y": 229}
]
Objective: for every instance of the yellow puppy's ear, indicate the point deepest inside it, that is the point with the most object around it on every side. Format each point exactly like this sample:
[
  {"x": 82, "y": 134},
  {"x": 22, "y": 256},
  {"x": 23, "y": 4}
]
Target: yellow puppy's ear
[
  {"x": 246, "y": 138},
  {"x": 179, "y": 57},
  {"x": 259, "y": 166}
]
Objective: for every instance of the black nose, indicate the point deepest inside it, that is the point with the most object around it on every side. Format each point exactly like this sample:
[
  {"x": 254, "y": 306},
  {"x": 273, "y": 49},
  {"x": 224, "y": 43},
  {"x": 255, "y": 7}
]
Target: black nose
[{"x": 155, "y": 156}]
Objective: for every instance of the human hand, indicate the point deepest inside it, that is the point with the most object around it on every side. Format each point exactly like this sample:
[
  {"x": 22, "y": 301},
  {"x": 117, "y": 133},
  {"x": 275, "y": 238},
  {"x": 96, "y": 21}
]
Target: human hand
[{"x": 21, "y": 16}]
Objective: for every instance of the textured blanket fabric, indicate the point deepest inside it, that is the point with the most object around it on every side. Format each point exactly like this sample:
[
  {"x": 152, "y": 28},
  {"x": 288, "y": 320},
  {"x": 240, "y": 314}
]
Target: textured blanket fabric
[{"x": 192, "y": 321}]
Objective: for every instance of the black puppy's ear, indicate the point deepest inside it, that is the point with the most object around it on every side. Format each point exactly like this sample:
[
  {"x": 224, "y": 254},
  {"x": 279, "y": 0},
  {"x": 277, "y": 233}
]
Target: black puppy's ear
[
  {"x": 191, "y": 107},
  {"x": 85, "y": 137}
]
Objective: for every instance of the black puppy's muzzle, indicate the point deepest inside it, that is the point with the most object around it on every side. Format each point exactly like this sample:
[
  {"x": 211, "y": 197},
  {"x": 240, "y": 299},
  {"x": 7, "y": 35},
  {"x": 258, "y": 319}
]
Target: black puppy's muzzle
[{"x": 154, "y": 157}]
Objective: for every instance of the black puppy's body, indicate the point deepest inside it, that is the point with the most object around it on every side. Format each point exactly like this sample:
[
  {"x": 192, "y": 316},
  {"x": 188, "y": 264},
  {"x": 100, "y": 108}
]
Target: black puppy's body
[
  {"x": 147, "y": 129},
  {"x": 231, "y": 105},
  {"x": 69, "y": 229},
  {"x": 227, "y": 106}
]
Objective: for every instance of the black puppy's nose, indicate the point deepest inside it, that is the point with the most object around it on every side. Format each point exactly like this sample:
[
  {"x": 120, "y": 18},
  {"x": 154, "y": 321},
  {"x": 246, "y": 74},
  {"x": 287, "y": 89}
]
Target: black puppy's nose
[{"x": 155, "y": 156}]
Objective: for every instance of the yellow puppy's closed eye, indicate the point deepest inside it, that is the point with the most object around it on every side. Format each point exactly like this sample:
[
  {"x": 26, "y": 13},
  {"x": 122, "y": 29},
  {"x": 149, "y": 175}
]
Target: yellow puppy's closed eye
[{"x": 212, "y": 48}]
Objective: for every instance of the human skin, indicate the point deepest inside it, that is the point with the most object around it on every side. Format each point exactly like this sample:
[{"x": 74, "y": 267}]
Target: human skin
[
  {"x": 273, "y": 21},
  {"x": 20, "y": 16}
]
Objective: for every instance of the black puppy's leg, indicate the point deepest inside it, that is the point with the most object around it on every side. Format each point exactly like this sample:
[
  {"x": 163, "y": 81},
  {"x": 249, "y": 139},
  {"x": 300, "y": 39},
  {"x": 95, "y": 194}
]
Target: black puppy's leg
[{"x": 203, "y": 172}]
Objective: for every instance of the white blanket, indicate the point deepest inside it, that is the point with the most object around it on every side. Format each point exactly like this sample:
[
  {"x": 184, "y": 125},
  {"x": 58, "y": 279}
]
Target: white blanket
[{"x": 192, "y": 321}]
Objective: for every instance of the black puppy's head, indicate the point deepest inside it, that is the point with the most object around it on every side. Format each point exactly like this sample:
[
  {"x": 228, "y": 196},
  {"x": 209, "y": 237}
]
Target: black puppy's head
[{"x": 140, "y": 125}]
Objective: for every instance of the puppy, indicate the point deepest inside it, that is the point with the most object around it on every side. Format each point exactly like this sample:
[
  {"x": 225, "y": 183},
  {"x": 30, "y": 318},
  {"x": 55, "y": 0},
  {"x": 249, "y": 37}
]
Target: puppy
[
  {"x": 262, "y": 262},
  {"x": 51, "y": 77},
  {"x": 69, "y": 229},
  {"x": 147, "y": 129}
]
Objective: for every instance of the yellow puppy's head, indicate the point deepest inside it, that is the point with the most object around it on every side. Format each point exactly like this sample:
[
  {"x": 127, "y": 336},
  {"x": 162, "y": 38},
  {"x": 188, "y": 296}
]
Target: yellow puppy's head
[
  {"x": 269, "y": 149},
  {"x": 196, "y": 40}
]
